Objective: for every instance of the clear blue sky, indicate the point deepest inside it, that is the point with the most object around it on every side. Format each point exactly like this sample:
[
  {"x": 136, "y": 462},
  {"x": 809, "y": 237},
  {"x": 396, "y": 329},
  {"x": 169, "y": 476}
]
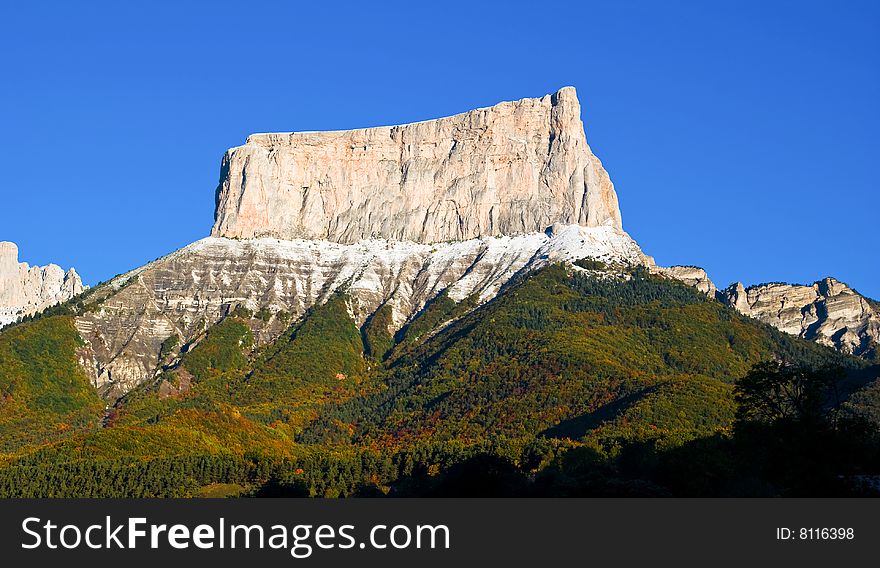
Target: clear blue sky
[{"x": 741, "y": 137}]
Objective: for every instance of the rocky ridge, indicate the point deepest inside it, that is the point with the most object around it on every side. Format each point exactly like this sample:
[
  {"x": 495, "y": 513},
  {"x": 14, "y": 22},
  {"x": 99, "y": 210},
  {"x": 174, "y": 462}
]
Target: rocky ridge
[
  {"x": 26, "y": 290},
  {"x": 827, "y": 311}
]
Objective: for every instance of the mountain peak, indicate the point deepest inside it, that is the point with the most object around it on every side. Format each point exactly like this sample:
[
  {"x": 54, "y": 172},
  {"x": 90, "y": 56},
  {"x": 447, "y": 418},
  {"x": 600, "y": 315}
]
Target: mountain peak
[
  {"x": 512, "y": 168},
  {"x": 8, "y": 255},
  {"x": 26, "y": 290}
]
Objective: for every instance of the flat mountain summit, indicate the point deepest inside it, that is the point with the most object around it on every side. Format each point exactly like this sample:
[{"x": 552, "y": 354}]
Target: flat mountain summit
[{"x": 513, "y": 168}]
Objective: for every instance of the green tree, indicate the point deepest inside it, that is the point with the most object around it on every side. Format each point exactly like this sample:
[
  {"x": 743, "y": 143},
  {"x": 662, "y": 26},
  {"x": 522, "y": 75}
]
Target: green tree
[{"x": 774, "y": 392}]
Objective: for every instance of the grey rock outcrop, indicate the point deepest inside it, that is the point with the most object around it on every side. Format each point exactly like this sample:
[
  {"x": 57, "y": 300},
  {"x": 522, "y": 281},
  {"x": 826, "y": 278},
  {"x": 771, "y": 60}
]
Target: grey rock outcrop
[
  {"x": 513, "y": 168},
  {"x": 26, "y": 290},
  {"x": 690, "y": 275},
  {"x": 828, "y": 312},
  {"x": 735, "y": 296}
]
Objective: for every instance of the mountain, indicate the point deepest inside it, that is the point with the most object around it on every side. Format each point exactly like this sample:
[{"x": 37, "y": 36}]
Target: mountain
[
  {"x": 394, "y": 216},
  {"x": 445, "y": 307},
  {"x": 26, "y": 290}
]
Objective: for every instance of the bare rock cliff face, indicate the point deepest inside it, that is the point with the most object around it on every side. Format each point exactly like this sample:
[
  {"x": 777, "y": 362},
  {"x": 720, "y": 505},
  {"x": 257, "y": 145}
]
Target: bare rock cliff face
[
  {"x": 828, "y": 312},
  {"x": 513, "y": 168},
  {"x": 26, "y": 290}
]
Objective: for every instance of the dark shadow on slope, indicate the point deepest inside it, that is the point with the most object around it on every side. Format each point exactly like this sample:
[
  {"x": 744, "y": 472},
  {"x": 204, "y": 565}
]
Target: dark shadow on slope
[
  {"x": 578, "y": 427},
  {"x": 857, "y": 379}
]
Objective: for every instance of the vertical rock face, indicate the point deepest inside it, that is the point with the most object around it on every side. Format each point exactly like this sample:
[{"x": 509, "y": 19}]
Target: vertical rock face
[
  {"x": 26, "y": 290},
  {"x": 514, "y": 168},
  {"x": 828, "y": 311}
]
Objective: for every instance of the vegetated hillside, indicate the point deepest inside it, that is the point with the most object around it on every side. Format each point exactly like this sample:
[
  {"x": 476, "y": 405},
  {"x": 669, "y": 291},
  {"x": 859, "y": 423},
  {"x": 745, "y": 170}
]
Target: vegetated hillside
[
  {"x": 569, "y": 354},
  {"x": 548, "y": 389},
  {"x": 44, "y": 393}
]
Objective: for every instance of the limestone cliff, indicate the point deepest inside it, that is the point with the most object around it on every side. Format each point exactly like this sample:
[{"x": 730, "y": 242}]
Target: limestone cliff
[
  {"x": 827, "y": 311},
  {"x": 513, "y": 168},
  {"x": 26, "y": 290}
]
